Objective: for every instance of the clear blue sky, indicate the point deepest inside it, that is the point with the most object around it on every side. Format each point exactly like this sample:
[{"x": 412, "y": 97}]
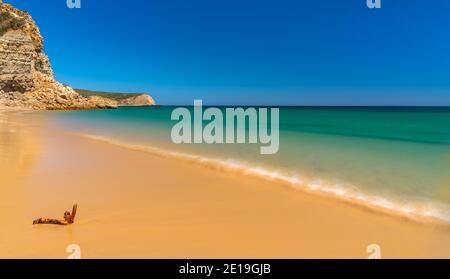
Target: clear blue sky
[{"x": 283, "y": 52}]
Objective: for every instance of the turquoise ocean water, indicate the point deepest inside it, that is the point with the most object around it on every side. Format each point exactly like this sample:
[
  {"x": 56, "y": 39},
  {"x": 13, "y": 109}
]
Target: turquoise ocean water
[{"x": 392, "y": 159}]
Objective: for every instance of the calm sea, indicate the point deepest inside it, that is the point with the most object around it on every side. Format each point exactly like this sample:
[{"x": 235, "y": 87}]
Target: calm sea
[{"x": 393, "y": 159}]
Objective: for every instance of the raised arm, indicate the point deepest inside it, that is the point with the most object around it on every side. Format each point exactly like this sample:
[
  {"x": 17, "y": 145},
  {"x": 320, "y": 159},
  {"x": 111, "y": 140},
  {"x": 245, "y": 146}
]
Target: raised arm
[
  {"x": 74, "y": 213},
  {"x": 69, "y": 218}
]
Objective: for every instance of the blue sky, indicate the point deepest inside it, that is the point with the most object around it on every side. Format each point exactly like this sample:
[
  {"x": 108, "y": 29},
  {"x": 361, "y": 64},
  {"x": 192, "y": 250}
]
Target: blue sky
[{"x": 280, "y": 52}]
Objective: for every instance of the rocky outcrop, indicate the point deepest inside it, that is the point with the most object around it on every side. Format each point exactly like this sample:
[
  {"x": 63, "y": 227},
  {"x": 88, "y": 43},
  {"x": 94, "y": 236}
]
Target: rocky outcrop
[
  {"x": 26, "y": 77},
  {"x": 138, "y": 101},
  {"x": 123, "y": 99}
]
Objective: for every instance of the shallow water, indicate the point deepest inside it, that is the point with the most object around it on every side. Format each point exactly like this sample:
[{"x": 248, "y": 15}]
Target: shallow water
[{"x": 391, "y": 158}]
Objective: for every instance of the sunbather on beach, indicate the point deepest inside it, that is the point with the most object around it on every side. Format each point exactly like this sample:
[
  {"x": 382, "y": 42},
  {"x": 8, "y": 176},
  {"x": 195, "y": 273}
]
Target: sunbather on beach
[{"x": 69, "y": 218}]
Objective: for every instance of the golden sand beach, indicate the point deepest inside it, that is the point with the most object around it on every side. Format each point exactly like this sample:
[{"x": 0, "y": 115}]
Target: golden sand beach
[{"x": 138, "y": 205}]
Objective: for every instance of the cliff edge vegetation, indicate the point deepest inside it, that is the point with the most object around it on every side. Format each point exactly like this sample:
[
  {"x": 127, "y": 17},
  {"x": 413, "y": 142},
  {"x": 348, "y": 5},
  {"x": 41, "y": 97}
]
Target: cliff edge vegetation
[{"x": 123, "y": 99}]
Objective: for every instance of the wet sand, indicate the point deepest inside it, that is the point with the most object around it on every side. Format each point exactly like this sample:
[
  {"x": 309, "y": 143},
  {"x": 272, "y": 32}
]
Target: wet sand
[{"x": 138, "y": 205}]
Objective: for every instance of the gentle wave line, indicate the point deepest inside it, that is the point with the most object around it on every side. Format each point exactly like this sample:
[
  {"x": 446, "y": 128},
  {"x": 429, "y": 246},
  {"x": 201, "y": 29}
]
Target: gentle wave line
[{"x": 420, "y": 212}]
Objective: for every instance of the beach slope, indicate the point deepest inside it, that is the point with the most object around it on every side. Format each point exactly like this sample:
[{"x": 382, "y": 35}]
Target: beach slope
[{"x": 138, "y": 205}]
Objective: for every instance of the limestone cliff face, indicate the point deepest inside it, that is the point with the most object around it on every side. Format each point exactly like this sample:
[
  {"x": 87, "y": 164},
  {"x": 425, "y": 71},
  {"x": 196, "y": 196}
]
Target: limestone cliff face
[
  {"x": 138, "y": 101},
  {"x": 26, "y": 76}
]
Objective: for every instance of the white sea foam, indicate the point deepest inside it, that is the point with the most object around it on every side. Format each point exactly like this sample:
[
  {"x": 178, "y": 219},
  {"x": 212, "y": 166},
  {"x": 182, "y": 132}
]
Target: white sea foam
[{"x": 421, "y": 212}]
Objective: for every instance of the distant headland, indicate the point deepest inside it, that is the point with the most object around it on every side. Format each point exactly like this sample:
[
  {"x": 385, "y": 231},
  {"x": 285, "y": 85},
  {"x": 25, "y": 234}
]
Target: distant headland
[{"x": 26, "y": 76}]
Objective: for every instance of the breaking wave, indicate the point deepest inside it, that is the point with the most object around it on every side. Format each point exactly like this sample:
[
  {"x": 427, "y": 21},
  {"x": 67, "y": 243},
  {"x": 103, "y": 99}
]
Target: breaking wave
[{"x": 421, "y": 212}]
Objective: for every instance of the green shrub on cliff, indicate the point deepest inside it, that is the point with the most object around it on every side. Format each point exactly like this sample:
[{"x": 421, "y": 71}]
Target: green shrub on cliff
[{"x": 108, "y": 95}]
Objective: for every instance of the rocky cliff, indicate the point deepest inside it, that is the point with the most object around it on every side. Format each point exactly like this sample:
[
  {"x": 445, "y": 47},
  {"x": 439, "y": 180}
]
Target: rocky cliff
[
  {"x": 139, "y": 100},
  {"x": 26, "y": 77}
]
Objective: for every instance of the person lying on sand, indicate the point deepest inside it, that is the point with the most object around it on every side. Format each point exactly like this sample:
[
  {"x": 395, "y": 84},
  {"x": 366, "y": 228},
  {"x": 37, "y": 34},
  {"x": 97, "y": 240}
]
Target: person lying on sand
[{"x": 69, "y": 218}]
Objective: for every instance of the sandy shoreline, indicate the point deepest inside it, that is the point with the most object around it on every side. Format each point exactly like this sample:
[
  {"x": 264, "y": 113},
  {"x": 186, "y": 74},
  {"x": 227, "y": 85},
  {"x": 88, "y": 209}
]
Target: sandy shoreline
[{"x": 137, "y": 205}]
